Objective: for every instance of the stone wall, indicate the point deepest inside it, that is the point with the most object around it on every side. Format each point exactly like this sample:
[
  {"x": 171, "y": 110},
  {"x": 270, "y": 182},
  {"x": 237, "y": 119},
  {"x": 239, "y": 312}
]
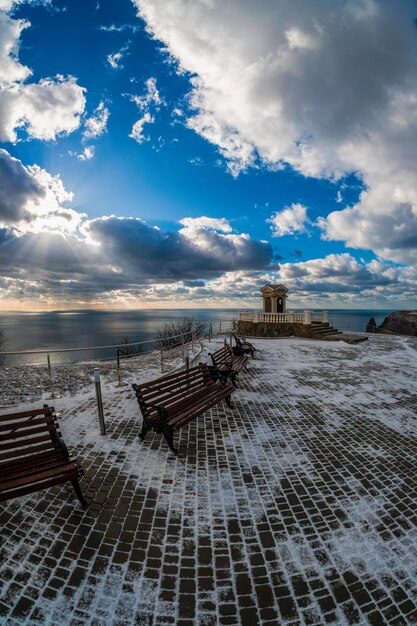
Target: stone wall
[{"x": 268, "y": 329}]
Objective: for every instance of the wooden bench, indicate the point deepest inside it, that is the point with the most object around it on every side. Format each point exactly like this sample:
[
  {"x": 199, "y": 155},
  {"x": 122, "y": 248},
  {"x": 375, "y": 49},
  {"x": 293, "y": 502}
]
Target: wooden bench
[
  {"x": 33, "y": 455},
  {"x": 244, "y": 347},
  {"x": 227, "y": 363},
  {"x": 172, "y": 401}
]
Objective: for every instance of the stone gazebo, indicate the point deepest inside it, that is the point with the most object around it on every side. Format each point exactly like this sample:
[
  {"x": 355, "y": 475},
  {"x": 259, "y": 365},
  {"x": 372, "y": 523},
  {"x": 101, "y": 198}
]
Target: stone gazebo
[
  {"x": 276, "y": 321},
  {"x": 274, "y": 298}
]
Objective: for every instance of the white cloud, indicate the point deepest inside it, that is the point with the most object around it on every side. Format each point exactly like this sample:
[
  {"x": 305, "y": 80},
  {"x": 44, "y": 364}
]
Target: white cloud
[
  {"x": 115, "y": 58},
  {"x": 151, "y": 97},
  {"x": 118, "y": 28},
  {"x": 149, "y": 101},
  {"x": 96, "y": 125},
  {"x": 87, "y": 153},
  {"x": 289, "y": 221},
  {"x": 8, "y": 5},
  {"x": 197, "y": 161},
  {"x": 45, "y": 109},
  {"x": 191, "y": 224},
  {"x": 137, "y": 128},
  {"x": 328, "y": 88}
]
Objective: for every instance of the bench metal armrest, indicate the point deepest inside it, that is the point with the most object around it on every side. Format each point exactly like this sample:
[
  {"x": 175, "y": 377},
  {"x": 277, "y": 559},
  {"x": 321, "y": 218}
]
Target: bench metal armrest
[
  {"x": 60, "y": 443},
  {"x": 162, "y": 411}
]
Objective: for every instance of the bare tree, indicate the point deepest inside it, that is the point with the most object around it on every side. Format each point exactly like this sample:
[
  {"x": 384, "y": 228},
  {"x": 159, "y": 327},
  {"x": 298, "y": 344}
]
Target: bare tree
[
  {"x": 126, "y": 351},
  {"x": 181, "y": 331}
]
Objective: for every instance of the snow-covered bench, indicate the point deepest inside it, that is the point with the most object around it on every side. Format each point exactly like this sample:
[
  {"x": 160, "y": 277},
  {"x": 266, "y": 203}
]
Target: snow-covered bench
[
  {"x": 170, "y": 402},
  {"x": 227, "y": 363},
  {"x": 33, "y": 455}
]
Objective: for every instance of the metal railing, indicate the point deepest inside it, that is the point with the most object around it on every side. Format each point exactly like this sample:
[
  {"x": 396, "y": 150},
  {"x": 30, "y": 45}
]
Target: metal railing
[
  {"x": 120, "y": 351},
  {"x": 52, "y": 374}
]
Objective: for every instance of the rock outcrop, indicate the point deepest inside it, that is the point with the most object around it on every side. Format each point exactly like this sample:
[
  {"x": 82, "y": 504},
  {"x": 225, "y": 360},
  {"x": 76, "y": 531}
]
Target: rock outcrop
[
  {"x": 371, "y": 326},
  {"x": 398, "y": 323}
]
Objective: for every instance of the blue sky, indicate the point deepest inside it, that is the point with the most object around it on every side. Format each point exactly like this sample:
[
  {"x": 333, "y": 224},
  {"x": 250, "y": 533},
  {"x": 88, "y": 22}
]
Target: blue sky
[{"x": 174, "y": 154}]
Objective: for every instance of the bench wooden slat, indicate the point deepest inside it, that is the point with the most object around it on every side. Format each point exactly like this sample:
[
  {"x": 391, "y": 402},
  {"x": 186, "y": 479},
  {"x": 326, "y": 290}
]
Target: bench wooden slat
[
  {"x": 26, "y": 442},
  {"x": 27, "y": 489},
  {"x": 21, "y": 424},
  {"x": 33, "y": 455},
  {"x": 18, "y": 433},
  {"x": 23, "y": 453},
  {"x": 172, "y": 391},
  {"x": 25, "y": 464},
  {"x": 184, "y": 418},
  {"x": 21, "y": 414},
  {"x": 32, "y": 477},
  {"x": 181, "y": 408}
]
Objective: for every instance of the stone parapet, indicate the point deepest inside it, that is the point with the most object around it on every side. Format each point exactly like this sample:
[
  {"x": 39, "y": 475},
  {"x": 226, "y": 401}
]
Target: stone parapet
[{"x": 268, "y": 329}]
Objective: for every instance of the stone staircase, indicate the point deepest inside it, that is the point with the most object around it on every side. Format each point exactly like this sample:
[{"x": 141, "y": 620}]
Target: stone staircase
[{"x": 323, "y": 330}]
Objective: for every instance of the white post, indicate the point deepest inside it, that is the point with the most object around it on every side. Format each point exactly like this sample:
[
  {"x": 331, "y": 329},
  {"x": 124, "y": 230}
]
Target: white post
[
  {"x": 256, "y": 318},
  {"x": 307, "y": 318},
  {"x": 99, "y": 399},
  {"x": 325, "y": 316},
  {"x": 50, "y": 376}
]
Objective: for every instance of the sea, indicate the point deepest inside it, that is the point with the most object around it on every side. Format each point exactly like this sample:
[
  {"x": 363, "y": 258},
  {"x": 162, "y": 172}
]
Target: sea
[{"x": 60, "y": 330}]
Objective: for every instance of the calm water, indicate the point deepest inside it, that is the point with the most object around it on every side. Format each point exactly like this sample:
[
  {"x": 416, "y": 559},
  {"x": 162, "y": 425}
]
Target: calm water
[{"x": 73, "y": 329}]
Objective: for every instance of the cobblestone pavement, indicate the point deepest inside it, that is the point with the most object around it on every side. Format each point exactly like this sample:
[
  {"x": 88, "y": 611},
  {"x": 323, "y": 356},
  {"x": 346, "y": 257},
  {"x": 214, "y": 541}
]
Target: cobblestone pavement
[{"x": 296, "y": 507}]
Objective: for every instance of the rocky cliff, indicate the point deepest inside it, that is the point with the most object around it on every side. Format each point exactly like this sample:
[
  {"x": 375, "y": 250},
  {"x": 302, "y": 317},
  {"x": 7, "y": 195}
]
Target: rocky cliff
[{"x": 399, "y": 322}]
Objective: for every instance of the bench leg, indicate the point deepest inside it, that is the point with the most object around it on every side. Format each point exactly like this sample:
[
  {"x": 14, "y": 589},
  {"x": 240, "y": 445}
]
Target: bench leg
[
  {"x": 169, "y": 437},
  {"x": 78, "y": 492},
  {"x": 233, "y": 378},
  {"x": 144, "y": 430},
  {"x": 228, "y": 402}
]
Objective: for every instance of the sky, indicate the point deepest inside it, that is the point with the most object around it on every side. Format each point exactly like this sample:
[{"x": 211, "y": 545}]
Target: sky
[{"x": 183, "y": 153}]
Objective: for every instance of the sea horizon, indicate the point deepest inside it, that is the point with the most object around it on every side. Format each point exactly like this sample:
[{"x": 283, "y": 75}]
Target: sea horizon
[{"x": 88, "y": 328}]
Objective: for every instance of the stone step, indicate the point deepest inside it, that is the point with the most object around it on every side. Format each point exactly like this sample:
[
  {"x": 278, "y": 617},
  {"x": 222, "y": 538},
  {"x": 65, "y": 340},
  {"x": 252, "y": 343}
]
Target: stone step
[{"x": 327, "y": 331}]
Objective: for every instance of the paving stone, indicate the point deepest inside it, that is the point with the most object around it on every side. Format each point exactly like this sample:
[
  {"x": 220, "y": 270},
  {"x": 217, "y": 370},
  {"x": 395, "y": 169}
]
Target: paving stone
[{"x": 277, "y": 512}]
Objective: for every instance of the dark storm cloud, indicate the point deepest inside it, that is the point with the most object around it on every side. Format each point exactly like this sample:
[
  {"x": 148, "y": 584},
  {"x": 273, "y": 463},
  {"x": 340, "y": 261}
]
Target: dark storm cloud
[{"x": 17, "y": 188}]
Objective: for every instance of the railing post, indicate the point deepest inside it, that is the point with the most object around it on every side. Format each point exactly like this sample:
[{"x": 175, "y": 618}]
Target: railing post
[
  {"x": 50, "y": 375},
  {"x": 210, "y": 332},
  {"x": 325, "y": 317},
  {"x": 99, "y": 399},
  {"x": 231, "y": 339},
  {"x": 307, "y": 318},
  {"x": 162, "y": 360},
  {"x": 118, "y": 365},
  {"x": 187, "y": 359},
  {"x": 220, "y": 328}
]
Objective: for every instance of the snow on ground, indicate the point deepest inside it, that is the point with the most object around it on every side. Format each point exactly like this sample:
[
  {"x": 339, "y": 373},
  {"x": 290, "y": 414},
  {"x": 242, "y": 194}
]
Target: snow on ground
[{"x": 304, "y": 488}]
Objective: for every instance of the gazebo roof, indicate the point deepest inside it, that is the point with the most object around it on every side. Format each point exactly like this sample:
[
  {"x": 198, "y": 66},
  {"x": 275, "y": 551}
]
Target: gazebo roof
[{"x": 270, "y": 287}]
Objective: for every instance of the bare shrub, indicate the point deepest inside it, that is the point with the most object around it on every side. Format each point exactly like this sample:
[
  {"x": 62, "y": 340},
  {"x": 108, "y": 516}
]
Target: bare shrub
[{"x": 187, "y": 327}]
